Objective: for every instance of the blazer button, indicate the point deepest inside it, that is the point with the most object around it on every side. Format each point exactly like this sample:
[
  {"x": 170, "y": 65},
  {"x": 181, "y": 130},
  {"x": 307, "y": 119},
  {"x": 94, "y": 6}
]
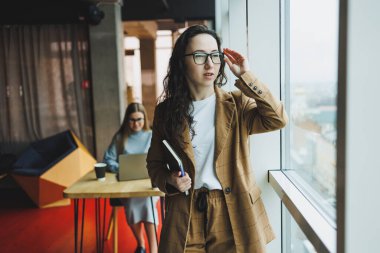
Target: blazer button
[
  {"x": 255, "y": 87},
  {"x": 260, "y": 92},
  {"x": 227, "y": 190},
  {"x": 250, "y": 84}
]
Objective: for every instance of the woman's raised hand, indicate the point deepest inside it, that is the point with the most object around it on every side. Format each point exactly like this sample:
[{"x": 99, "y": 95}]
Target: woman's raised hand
[{"x": 237, "y": 63}]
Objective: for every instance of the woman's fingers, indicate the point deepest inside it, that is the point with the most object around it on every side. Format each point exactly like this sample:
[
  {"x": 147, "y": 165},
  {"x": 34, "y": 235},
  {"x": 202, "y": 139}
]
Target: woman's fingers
[
  {"x": 228, "y": 61},
  {"x": 238, "y": 58},
  {"x": 181, "y": 183},
  {"x": 236, "y": 62},
  {"x": 232, "y": 63},
  {"x": 186, "y": 182},
  {"x": 184, "y": 187},
  {"x": 232, "y": 52},
  {"x": 234, "y": 56},
  {"x": 230, "y": 58}
]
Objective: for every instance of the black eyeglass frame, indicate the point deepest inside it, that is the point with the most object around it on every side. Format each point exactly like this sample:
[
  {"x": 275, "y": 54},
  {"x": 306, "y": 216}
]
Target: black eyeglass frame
[
  {"x": 130, "y": 120},
  {"x": 221, "y": 57}
]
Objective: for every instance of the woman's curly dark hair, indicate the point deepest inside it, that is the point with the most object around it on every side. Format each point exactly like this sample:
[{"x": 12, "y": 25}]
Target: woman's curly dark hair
[{"x": 176, "y": 98}]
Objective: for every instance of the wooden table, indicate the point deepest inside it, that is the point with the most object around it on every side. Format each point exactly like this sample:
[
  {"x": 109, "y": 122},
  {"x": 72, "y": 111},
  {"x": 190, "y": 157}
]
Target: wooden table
[{"x": 88, "y": 187}]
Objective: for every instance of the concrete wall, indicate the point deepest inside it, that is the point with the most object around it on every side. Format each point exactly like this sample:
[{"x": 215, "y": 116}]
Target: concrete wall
[{"x": 107, "y": 51}]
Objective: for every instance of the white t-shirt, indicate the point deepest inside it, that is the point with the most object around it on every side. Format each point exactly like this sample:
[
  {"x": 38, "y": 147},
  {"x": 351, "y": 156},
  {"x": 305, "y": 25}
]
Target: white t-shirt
[{"x": 204, "y": 143}]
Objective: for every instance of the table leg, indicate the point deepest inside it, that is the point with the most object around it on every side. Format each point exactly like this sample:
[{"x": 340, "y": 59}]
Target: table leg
[
  {"x": 99, "y": 227},
  {"x": 154, "y": 220},
  {"x": 81, "y": 233},
  {"x": 76, "y": 225},
  {"x": 104, "y": 223},
  {"x": 115, "y": 229}
]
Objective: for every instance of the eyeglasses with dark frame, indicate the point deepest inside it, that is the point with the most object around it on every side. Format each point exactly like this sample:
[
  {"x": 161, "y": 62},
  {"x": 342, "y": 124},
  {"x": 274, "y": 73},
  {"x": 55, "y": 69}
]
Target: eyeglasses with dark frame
[
  {"x": 200, "y": 58},
  {"x": 131, "y": 120}
]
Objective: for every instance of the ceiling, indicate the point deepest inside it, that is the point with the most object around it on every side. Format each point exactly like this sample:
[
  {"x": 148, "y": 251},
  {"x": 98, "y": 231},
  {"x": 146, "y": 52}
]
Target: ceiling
[
  {"x": 141, "y": 18},
  {"x": 178, "y": 10}
]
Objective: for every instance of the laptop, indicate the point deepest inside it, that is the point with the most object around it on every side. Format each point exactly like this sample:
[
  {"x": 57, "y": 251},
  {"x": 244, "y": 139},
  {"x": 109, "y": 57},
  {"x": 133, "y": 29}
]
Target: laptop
[{"x": 132, "y": 167}]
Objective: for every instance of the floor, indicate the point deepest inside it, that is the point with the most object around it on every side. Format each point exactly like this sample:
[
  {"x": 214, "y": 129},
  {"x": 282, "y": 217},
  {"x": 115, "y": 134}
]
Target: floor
[{"x": 26, "y": 228}]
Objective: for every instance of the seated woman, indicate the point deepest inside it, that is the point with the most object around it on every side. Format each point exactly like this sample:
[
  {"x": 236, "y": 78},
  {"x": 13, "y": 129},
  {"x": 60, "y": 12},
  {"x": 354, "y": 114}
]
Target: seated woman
[{"x": 134, "y": 137}]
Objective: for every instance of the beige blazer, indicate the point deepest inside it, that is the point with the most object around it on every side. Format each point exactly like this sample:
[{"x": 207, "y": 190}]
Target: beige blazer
[{"x": 251, "y": 109}]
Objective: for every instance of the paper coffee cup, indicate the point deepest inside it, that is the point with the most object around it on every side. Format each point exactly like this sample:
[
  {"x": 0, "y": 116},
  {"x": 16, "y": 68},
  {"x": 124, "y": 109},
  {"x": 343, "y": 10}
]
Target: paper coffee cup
[{"x": 100, "y": 171}]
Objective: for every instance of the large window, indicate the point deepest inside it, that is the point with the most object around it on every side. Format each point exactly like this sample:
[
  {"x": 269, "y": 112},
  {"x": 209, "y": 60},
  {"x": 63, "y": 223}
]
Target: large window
[
  {"x": 295, "y": 240},
  {"x": 310, "y": 43}
]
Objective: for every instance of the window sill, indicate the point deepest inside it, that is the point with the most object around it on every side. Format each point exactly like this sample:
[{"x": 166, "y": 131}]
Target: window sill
[{"x": 316, "y": 228}]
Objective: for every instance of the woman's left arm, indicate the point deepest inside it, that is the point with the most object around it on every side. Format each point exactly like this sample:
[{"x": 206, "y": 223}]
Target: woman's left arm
[
  {"x": 110, "y": 157},
  {"x": 262, "y": 111}
]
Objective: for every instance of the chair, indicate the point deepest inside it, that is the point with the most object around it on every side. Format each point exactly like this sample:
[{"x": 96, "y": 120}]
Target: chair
[
  {"x": 116, "y": 204},
  {"x": 49, "y": 166}
]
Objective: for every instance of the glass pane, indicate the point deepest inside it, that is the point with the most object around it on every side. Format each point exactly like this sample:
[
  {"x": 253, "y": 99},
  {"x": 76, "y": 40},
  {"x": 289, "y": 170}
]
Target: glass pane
[
  {"x": 311, "y": 67},
  {"x": 295, "y": 240}
]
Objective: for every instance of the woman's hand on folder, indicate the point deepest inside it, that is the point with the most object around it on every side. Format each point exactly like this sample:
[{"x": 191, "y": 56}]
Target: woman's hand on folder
[{"x": 181, "y": 183}]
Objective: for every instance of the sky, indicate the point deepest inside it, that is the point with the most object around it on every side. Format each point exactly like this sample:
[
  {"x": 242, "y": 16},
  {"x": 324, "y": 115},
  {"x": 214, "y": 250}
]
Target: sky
[{"x": 314, "y": 40}]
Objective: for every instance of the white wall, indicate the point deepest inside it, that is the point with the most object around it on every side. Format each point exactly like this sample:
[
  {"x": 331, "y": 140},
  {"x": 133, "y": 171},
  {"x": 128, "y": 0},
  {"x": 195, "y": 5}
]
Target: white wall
[
  {"x": 362, "y": 207},
  {"x": 264, "y": 57}
]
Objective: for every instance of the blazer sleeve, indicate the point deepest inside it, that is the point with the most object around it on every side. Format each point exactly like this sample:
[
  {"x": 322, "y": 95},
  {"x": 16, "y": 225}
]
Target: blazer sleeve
[
  {"x": 156, "y": 163},
  {"x": 261, "y": 110}
]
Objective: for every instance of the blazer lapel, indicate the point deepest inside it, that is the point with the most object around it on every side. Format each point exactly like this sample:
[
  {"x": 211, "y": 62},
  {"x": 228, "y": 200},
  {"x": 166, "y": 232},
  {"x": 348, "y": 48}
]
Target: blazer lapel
[
  {"x": 188, "y": 148},
  {"x": 225, "y": 109}
]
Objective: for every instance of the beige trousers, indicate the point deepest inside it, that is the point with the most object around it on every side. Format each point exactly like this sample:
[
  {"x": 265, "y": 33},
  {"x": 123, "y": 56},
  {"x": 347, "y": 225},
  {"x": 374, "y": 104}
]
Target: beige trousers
[{"x": 210, "y": 229}]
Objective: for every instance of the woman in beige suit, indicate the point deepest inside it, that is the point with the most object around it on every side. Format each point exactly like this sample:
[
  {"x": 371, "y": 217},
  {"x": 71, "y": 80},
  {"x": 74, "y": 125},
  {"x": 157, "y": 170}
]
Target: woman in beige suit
[{"x": 209, "y": 128}]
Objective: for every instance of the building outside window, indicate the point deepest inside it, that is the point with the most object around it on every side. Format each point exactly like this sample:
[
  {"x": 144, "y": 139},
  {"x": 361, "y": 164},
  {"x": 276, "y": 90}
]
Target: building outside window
[{"x": 310, "y": 67}]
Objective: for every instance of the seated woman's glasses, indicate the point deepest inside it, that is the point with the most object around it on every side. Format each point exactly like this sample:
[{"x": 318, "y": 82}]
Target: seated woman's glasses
[
  {"x": 131, "y": 120},
  {"x": 200, "y": 58}
]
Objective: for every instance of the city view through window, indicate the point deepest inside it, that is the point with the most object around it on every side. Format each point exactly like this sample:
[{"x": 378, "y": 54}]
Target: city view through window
[{"x": 312, "y": 50}]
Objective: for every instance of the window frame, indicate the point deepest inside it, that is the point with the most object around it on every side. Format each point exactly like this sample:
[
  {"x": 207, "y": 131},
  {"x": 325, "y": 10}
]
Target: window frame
[{"x": 314, "y": 225}]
